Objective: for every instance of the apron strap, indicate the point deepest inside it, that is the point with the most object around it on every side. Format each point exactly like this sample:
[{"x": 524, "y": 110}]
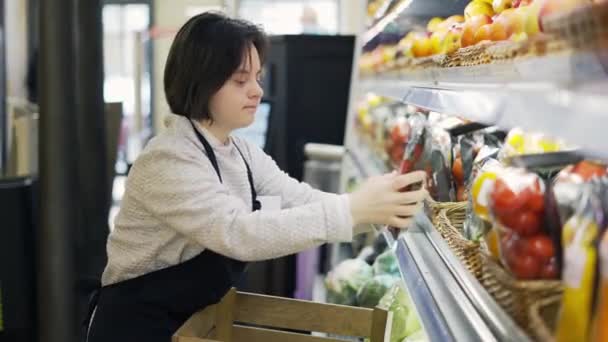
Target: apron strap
[
  {"x": 255, "y": 204},
  {"x": 208, "y": 149}
]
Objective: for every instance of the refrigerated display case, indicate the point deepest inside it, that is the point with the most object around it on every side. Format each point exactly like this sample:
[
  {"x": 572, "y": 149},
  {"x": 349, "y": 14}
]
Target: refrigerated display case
[{"x": 552, "y": 82}]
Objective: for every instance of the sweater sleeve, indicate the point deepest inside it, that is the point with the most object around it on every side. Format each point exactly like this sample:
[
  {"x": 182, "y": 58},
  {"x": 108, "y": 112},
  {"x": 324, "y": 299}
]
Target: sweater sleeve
[
  {"x": 270, "y": 180},
  {"x": 183, "y": 192}
]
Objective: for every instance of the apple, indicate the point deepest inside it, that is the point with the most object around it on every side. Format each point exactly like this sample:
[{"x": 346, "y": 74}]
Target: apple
[
  {"x": 451, "y": 42},
  {"x": 422, "y": 47},
  {"x": 499, "y": 30},
  {"x": 470, "y": 28},
  {"x": 437, "y": 39},
  {"x": 434, "y": 24},
  {"x": 531, "y": 25},
  {"x": 483, "y": 33},
  {"x": 500, "y": 5},
  {"x": 512, "y": 21},
  {"x": 478, "y": 7},
  {"x": 549, "y": 7}
]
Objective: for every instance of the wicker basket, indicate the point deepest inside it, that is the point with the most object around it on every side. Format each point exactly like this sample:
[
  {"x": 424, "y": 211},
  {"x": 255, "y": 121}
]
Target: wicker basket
[
  {"x": 436, "y": 207},
  {"x": 543, "y": 318},
  {"x": 514, "y": 296},
  {"x": 584, "y": 27},
  {"x": 450, "y": 224},
  {"x": 471, "y": 55}
]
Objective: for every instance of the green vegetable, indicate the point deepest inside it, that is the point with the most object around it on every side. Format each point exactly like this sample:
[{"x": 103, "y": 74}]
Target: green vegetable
[
  {"x": 374, "y": 289},
  {"x": 405, "y": 319},
  {"x": 386, "y": 263},
  {"x": 418, "y": 336},
  {"x": 412, "y": 323},
  {"x": 345, "y": 280}
]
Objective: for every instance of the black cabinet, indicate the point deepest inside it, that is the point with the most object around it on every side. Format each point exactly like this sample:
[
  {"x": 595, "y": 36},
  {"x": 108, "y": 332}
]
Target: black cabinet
[{"x": 308, "y": 81}]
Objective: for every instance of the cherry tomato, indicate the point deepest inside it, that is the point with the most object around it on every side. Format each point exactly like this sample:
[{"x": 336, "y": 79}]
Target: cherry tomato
[
  {"x": 588, "y": 170},
  {"x": 549, "y": 270},
  {"x": 535, "y": 197},
  {"x": 461, "y": 194},
  {"x": 526, "y": 267},
  {"x": 457, "y": 171},
  {"x": 504, "y": 200},
  {"x": 525, "y": 223},
  {"x": 541, "y": 246}
]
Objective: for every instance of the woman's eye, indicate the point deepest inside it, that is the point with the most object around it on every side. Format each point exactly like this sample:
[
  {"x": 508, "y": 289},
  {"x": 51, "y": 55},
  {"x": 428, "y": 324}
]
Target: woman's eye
[{"x": 240, "y": 82}]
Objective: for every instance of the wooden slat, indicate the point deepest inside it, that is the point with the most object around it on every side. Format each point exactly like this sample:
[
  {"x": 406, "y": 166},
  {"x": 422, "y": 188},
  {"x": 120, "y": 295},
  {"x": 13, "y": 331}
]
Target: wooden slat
[
  {"x": 191, "y": 339},
  {"x": 303, "y": 315},
  {"x": 381, "y": 325},
  {"x": 199, "y": 325},
  {"x": 250, "y": 334},
  {"x": 224, "y": 316}
]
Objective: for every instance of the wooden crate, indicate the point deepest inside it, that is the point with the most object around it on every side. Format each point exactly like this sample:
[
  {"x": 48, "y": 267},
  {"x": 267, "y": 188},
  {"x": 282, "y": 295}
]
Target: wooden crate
[{"x": 255, "y": 318}]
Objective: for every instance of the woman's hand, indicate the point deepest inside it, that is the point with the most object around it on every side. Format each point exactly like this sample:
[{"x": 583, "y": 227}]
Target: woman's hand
[{"x": 380, "y": 201}]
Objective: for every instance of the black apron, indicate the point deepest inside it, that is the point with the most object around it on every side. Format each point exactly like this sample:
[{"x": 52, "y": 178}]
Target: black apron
[{"x": 151, "y": 307}]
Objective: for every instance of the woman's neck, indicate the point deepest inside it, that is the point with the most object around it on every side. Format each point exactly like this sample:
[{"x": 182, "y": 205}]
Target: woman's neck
[{"x": 220, "y": 133}]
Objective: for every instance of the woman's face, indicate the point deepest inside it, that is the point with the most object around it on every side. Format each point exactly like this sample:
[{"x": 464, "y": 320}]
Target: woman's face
[{"x": 235, "y": 104}]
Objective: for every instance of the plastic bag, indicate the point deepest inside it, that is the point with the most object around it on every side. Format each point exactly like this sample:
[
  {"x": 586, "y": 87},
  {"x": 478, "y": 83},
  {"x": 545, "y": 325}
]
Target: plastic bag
[
  {"x": 373, "y": 290},
  {"x": 579, "y": 237},
  {"x": 567, "y": 186},
  {"x": 346, "y": 279},
  {"x": 483, "y": 175},
  {"x": 517, "y": 205},
  {"x": 397, "y": 301},
  {"x": 386, "y": 263},
  {"x": 428, "y": 149},
  {"x": 519, "y": 142}
]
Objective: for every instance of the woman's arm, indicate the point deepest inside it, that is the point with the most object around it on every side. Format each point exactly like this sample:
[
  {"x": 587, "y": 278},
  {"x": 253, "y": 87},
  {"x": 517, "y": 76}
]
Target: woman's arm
[
  {"x": 270, "y": 180},
  {"x": 183, "y": 192}
]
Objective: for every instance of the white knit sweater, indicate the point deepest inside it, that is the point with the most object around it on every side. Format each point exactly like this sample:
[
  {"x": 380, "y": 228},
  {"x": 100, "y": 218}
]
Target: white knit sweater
[{"x": 174, "y": 207}]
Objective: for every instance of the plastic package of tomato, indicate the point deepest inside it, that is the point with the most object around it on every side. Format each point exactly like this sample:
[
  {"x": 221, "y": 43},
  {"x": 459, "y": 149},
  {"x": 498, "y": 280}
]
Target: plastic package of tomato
[
  {"x": 428, "y": 149},
  {"x": 568, "y": 185},
  {"x": 527, "y": 241},
  {"x": 483, "y": 175},
  {"x": 580, "y": 236}
]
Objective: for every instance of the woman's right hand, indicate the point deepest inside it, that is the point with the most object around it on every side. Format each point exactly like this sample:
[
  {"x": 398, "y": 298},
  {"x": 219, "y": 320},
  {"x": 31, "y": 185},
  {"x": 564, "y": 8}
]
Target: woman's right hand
[{"x": 380, "y": 201}]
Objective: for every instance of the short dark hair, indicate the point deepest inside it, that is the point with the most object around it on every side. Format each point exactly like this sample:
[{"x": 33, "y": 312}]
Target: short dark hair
[{"x": 206, "y": 51}]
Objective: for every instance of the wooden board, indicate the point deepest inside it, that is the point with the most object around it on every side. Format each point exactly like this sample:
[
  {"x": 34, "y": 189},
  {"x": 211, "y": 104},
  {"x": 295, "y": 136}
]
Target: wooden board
[
  {"x": 302, "y": 315},
  {"x": 250, "y": 334}
]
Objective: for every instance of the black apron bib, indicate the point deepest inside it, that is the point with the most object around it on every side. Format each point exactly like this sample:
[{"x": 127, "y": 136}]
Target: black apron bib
[{"x": 151, "y": 307}]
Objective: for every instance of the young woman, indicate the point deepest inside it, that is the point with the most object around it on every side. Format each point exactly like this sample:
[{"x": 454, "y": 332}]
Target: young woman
[{"x": 196, "y": 206}]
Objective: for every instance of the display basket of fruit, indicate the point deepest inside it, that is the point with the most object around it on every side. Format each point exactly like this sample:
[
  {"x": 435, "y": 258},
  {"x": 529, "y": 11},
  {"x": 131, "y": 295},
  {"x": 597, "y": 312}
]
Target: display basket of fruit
[
  {"x": 450, "y": 224},
  {"x": 515, "y": 296},
  {"x": 474, "y": 55},
  {"x": 583, "y": 27},
  {"x": 543, "y": 318}
]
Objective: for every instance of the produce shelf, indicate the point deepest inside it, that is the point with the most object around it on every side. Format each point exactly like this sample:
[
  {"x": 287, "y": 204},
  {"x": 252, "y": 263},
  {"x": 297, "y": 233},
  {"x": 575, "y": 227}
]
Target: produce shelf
[
  {"x": 453, "y": 306},
  {"x": 562, "y": 95}
]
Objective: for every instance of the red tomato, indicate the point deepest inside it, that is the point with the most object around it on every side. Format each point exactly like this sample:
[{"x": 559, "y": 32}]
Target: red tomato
[
  {"x": 549, "y": 270},
  {"x": 588, "y": 170},
  {"x": 461, "y": 194},
  {"x": 535, "y": 197},
  {"x": 457, "y": 171},
  {"x": 504, "y": 200},
  {"x": 541, "y": 246},
  {"x": 397, "y": 153},
  {"x": 525, "y": 223},
  {"x": 526, "y": 267}
]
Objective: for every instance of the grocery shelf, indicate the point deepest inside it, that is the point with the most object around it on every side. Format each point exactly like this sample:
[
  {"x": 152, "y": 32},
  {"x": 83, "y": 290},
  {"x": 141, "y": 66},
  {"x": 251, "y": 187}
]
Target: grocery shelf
[
  {"x": 451, "y": 304},
  {"x": 367, "y": 162},
  {"x": 562, "y": 95},
  {"x": 413, "y": 8}
]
